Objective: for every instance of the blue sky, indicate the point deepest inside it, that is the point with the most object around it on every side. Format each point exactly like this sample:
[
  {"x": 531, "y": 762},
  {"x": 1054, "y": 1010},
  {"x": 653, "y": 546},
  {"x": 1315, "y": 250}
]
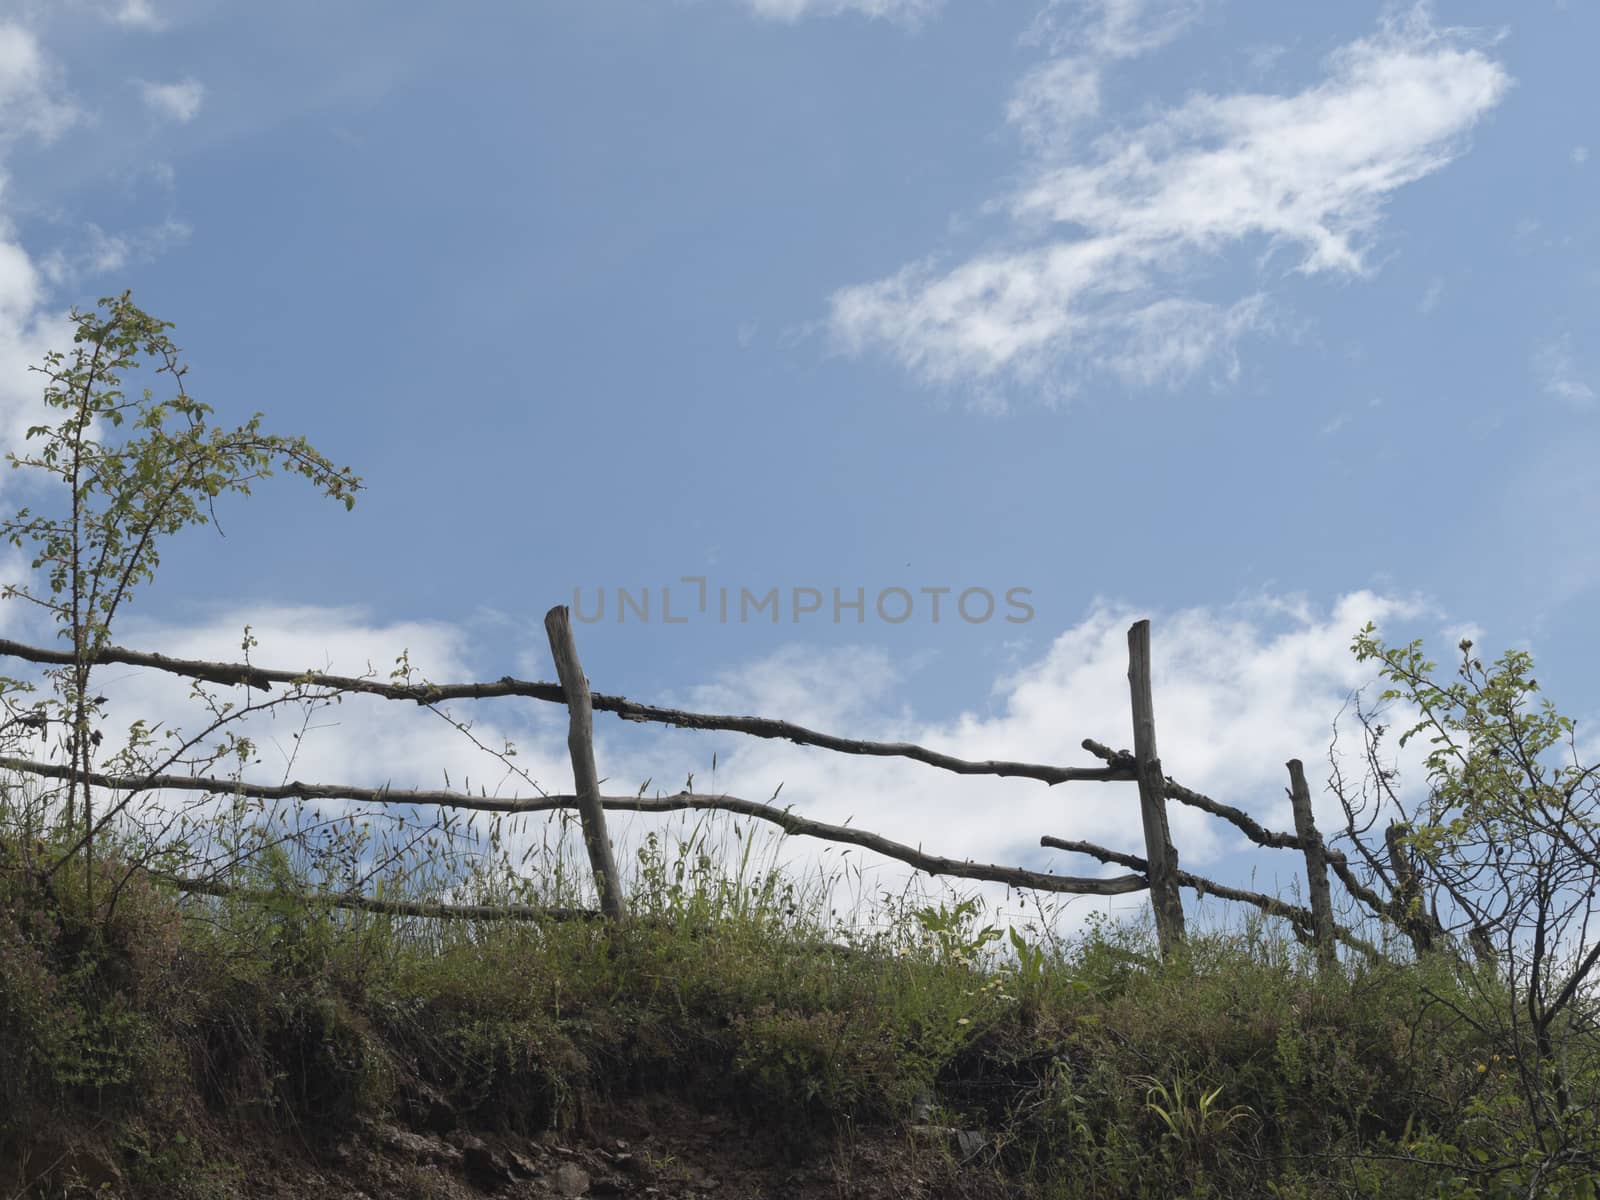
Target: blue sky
[{"x": 1254, "y": 319}]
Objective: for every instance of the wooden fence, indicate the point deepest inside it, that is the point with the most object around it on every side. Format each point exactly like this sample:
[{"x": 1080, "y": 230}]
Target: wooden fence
[{"x": 1158, "y": 870}]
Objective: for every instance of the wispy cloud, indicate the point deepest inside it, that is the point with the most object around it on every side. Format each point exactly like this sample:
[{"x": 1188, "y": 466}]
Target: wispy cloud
[
  {"x": 1052, "y": 100},
  {"x": 1112, "y": 29},
  {"x": 1560, "y": 375},
  {"x": 179, "y": 101},
  {"x": 905, "y": 11},
  {"x": 1112, "y": 236},
  {"x": 1542, "y": 511},
  {"x": 102, "y": 253},
  {"x": 1084, "y": 38},
  {"x": 1431, "y": 297}
]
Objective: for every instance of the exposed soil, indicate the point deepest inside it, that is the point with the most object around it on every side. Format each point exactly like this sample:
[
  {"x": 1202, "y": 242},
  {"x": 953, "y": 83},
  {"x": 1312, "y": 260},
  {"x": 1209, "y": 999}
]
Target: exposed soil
[{"x": 658, "y": 1149}]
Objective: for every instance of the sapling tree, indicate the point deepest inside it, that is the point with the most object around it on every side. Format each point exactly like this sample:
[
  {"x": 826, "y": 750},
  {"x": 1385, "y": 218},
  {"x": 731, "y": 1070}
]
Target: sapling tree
[
  {"x": 132, "y": 471},
  {"x": 1500, "y": 855}
]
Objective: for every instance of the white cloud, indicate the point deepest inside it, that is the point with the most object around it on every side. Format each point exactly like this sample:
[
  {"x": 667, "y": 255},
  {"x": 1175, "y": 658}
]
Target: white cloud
[
  {"x": 28, "y": 102},
  {"x": 798, "y": 679},
  {"x": 30, "y": 105},
  {"x": 907, "y": 11},
  {"x": 1307, "y": 174},
  {"x": 1309, "y": 171},
  {"x": 177, "y": 101},
  {"x": 1580, "y": 155},
  {"x": 26, "y": 335},
  {"x": 34, "y": 104},
  {"x": 1560, "y": 375},
  {"x": 137, "y": 14},
  {"x": 363, "y": 740},
  {"x": 1238, "y": 691}
]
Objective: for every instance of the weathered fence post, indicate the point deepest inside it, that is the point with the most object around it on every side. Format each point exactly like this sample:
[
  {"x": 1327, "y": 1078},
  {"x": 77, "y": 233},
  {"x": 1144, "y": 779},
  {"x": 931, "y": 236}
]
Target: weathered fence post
[
  {"x": 1305, "y": 828},
  {"x": 1407, "y": 900},
  {"x": 1158, "y": 850},
  {"x": 580, "y": 745}
]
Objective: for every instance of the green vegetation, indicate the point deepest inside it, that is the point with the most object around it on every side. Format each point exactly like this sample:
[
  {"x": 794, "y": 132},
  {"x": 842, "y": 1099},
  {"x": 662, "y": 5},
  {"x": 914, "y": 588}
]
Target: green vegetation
[
  {"x": 178, "y": 1031},
  {"x": 209, "y": 1039}
]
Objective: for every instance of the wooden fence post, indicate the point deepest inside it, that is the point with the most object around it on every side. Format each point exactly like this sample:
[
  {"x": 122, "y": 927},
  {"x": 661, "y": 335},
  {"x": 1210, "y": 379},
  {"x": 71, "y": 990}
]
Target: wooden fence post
[
  {"x": 1158, "y": 850},
  {"x": 580, "y": 745},
  {"x": 1305, "y": 828},
  {"x": 1407, "y": 900}
]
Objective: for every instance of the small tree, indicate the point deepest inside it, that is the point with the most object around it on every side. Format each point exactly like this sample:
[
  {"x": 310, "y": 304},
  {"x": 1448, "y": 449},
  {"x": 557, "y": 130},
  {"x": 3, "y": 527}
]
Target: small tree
[
  {"x": 1500, "y": 855},
  {"x": 119, "y": 500}
]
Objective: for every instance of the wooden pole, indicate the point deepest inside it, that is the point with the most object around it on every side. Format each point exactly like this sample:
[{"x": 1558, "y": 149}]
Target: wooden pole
[
  {"x": 1165, "y": 898},
  {"x": 1407, "y": 900},
  {"x": 1305, "y": 828},
  {"x": 580, "y": 745}
]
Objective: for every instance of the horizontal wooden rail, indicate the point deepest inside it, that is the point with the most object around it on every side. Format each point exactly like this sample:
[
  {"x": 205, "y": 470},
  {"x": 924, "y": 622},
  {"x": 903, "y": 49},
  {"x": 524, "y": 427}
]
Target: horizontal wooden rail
[
  {"x": 395, "y": 908},
  {"x": 783, "y": 818},
  {"x": 263, "y": 679},
  {"x": 1300, "y": 917},
  {"x": 1247, "y": 825},
  {"x": 1176, "y": 791}
]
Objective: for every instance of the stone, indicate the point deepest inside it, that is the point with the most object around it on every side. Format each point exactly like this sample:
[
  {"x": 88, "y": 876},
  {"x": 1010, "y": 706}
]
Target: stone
[
  {"x": 571, "y": 1180},
  {"x": 969, "y": 1142},
  {"x": 522, "y": 1164},
  {"x": 964, "y": 1142},
  {"x": 483, "y": 1166},
  {"x": 441, "y": 1115},
  {"x": 417, "y": 1146}
]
